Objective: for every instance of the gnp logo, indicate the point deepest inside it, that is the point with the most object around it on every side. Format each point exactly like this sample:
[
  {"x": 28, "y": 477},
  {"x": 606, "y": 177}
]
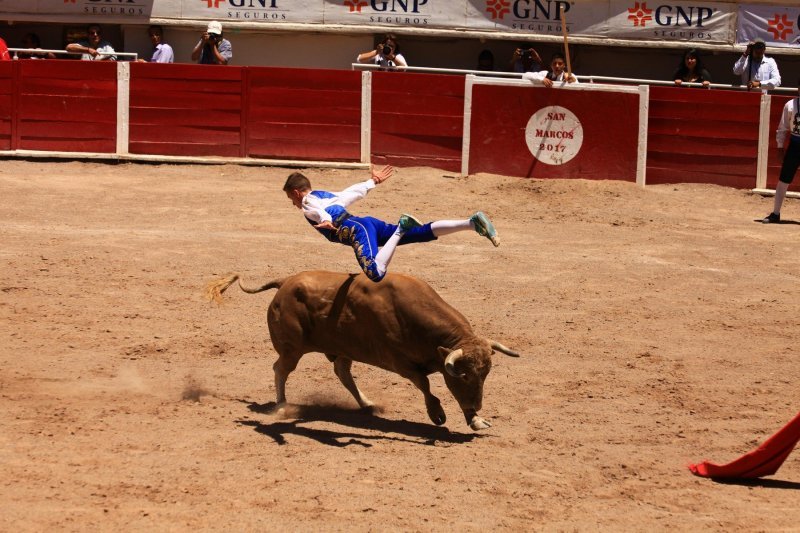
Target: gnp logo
[
  {"x": 667, "y": 15},
  {"x": 249, "y": 9},
  {"x": 527, "y": 9},
  {"x": 401, "y": 12},
  {"x": 113, "y": 7},
  {"x": 781, "y": 27},
  {"x": 554, "y": 135}
]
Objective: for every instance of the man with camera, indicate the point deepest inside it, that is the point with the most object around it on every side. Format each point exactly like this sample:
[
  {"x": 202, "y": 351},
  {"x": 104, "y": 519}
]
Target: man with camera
[
  {"x": 213, "y": 49},
  {"x": 525, "y": 59},
  {"x": 386, "y": 54},
  {"x": 757, "y": 70}
]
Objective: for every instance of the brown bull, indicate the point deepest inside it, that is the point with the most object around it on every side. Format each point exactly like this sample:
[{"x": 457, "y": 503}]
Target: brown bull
[{"x": 400, "y": 324}]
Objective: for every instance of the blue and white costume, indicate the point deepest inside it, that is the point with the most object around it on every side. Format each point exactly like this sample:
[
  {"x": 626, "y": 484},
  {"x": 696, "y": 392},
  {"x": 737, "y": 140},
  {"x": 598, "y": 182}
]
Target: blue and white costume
[{"x": 364, "y": 234}]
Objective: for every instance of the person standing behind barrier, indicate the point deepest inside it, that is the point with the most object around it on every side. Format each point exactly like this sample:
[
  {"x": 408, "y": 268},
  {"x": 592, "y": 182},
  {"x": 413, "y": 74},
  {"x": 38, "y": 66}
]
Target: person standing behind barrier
[
  {"x": 486, "y": 61},
  {"x": 4, "y": 55},
  {"x": 162, "y": 52},
  {"x": 757, "y": 70},
  {"x": 525, "y": 59},
  {"x": 93, "y": 48},
  {"x": 213, "y": 49},
  {"x": 790, "y": 123},
  {"x": 692, "y": 70},
  {"x": 31, "y": 41},
  {"x": 386, "y": 54},
  {"x": 556, "y": 74}
]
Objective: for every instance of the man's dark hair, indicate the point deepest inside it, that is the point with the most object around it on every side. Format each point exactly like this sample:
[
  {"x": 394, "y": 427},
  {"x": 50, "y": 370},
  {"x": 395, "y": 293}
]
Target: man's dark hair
[
  {"x": 296, "y": 182},
  {"x": 157, "y": 28}
]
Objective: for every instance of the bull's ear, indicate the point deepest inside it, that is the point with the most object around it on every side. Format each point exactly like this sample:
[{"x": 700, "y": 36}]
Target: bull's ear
[{"x": 444, "y": 352}]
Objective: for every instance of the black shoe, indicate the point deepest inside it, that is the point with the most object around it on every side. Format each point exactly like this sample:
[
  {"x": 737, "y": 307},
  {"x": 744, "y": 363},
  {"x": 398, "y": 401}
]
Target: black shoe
[{"x": 772, "y": 218}]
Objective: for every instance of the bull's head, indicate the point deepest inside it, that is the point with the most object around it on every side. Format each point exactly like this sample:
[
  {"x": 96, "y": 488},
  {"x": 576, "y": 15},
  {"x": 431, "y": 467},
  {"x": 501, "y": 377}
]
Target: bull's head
[{"x": 466, "y": 368}]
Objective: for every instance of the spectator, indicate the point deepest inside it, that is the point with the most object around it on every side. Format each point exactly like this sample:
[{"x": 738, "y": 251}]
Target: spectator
[
  {"x": 32, "y": 42},
  {"x": 692, "y": 69},
  {"x": 790, "y": 123},
  {"x": 386, "y": 54},
  {"x": 486, "y": 61},
  {"x": 556, "y": 74},
  {"x": 4, "y": 55},
  {"x": 93, "y": 48},
  {"x": 757, "y": 70},
  {"x": 162, "y": 52},
  {"x": 525, "y": 59},
  {"x": 213, "y": 48}
]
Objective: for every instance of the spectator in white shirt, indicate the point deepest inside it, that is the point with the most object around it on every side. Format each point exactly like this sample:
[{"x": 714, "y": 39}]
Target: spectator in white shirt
[
  {"x": 93, "y": 47},
  {"x": 162, "y": 52},
  {"x": 757, "y": 70}
]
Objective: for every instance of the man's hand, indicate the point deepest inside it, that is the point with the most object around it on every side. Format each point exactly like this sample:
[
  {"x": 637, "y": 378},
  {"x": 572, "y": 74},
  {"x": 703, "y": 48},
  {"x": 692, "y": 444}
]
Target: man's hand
[
  {"x": 755, "y": 84},
  {"x": 547, "y": 82},
  {"x": 379, "y": 176},
  {"x": 325, "y": 224}
]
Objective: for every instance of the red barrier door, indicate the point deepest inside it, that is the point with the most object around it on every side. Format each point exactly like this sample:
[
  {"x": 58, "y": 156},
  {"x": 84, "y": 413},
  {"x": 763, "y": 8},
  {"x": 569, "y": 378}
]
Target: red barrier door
[{"x": 526, "y": 130}]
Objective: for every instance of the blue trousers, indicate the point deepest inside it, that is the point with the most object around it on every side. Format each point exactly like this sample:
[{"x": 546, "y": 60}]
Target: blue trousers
[{"x": 367, "y": 234}]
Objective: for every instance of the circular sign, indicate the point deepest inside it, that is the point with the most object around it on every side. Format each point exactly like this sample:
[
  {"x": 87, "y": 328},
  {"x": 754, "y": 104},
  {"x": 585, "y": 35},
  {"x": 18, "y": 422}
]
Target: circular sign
[{"x": 554, "y": 135}]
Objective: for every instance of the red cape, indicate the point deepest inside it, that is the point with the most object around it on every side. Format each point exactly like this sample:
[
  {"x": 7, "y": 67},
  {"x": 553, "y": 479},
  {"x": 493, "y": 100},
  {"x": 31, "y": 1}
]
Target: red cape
[{"x": 763, "y": 461}]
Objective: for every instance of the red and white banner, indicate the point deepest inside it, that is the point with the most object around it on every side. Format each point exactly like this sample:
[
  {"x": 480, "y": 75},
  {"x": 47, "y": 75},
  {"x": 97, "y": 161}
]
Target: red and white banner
[{"x": 778, "y": 26}]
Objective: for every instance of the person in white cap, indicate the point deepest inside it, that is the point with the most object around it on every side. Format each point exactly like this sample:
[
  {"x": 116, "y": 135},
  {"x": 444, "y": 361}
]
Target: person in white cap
[{"x": 213, "y": 49}]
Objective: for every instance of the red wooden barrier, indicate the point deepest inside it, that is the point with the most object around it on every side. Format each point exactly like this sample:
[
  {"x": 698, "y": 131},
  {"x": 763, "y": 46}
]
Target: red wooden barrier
[
  {"x": 606, "y": 149},
  {"x": 186, "y": 110},
  {"x": 702, "y": 136},
  {"x": 7, "y": 107},
  {"x": 774, "y": 160},
  {"x": 417, "y": 119},
  {"x": 68, "y": 106},
  {"x": 304, "y": 114}
]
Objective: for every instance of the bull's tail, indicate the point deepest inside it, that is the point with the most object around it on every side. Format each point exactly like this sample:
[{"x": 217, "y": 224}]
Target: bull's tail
[{"x": 214, "y": 289}]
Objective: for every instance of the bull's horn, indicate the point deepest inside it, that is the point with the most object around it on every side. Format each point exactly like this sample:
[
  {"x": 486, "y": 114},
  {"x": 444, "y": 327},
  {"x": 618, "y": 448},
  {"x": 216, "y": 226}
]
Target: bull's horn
[
  {"x": 450, "y": 363},
  {"x": 500, "y": 348}
]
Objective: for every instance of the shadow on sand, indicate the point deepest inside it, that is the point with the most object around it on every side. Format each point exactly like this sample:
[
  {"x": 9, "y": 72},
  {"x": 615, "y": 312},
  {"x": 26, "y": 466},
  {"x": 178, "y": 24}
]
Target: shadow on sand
[
  {"x": 766, "y": 483},
  {"x": 356, "y": 419}
]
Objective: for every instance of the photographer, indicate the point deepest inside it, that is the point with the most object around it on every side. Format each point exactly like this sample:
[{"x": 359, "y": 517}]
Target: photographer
[
  {"x": 757, "y": 70},
  {"x": 386, "y": 54},
  {"x": 525, "y": 59},
  {"x": 213, "y": 49}
]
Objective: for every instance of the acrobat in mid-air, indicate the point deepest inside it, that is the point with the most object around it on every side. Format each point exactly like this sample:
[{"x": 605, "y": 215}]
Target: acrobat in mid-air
[{"x": 373, "y": 241}]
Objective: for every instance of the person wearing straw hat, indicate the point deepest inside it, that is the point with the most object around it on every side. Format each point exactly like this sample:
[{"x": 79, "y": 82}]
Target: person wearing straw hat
[{"x": 213, "y": 49}]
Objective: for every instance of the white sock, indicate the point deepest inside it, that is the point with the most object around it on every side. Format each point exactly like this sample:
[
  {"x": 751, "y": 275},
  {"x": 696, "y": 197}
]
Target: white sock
[
  {"x": 780, "y": 195},
  {"x": 446, "y": 227},
  {"x": 385, "y": 254}
]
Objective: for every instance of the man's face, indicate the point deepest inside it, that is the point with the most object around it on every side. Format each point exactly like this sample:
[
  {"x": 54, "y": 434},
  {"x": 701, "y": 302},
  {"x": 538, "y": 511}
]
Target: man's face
[
  {"x": 758, "y": 52},
  {"x": 155, "y": 37},
  {"x": 95, "y": 35},
  {"x": 558, "y": 66}
]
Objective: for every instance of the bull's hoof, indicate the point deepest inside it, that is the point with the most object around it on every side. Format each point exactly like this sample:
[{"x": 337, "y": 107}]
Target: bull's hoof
[
  {"x": 438, "y": 417},
  {"x": 477, "y": 423}
]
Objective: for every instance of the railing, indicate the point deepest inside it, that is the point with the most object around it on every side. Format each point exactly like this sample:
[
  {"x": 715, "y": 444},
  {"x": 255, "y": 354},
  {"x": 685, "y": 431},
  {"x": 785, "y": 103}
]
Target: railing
[
  {"x": 40, "y": 51},
  {"x": 582, "y": 78}
]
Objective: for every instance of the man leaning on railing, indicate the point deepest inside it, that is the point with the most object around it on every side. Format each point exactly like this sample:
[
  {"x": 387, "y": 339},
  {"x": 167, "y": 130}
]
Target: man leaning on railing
[{"x": 93, "y": 48}]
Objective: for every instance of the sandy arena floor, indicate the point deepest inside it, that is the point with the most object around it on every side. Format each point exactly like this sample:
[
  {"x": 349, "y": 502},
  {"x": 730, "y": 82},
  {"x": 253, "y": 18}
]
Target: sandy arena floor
[{"x": 658, "y": 327}]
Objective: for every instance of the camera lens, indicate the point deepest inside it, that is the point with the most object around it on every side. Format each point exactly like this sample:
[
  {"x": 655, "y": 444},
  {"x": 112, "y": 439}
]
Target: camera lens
[{"x": 387, "y": 50}]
